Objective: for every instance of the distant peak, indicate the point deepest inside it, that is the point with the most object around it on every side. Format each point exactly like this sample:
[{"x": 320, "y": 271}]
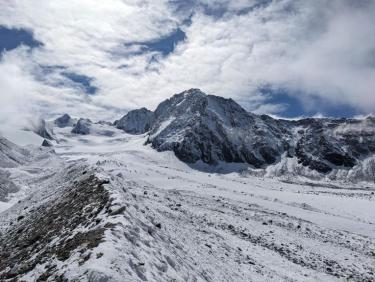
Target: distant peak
[{"x": 63, "y": 121}]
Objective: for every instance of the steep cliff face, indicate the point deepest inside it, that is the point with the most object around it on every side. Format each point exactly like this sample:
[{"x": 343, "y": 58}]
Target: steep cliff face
[
  {"x": 211, "y": 129},
  {"x": 324, "y": 144},
  {"x": 203, "y": 127},
  {"x": 82, "y": 127},
  {"x": 136, "y": 122},
  {"x": 64, "y": 121}
]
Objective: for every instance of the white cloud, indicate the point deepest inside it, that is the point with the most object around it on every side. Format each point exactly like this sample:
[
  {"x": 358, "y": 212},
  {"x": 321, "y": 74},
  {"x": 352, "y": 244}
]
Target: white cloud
[
  {"x": 24, "y": 97},
  {"x": 338, "y": 64},
  {"x": 324, "y": 48},
  {"x": 15, "y": 88}
]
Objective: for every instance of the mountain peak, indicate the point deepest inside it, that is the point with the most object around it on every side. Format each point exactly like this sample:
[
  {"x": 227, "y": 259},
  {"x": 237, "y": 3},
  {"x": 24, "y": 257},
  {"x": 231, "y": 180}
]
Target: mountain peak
[
  {"x": 188, "y": 95},
  {"x": 213, "y": 129},
  {"x": 136, "y": 121},
  {"x": 64, "y": 121}
]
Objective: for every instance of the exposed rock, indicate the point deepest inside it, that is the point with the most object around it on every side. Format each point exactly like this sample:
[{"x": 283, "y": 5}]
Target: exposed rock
[
  {"x": 50, "y": 228},
  {"x": 64, "y": 121},
  {"x": 82, "y": 127},
  {"x": 117, "y": 211},
  {"x": 203, "y": 127},
  {"x": 136, "y": 122},
  {"x": 207, "y": 128},
  {"x": 46, "y": 143}
]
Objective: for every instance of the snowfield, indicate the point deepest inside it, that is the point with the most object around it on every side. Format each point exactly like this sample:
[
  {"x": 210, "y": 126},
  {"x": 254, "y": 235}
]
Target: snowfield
[{"x": 105, "y": 207}]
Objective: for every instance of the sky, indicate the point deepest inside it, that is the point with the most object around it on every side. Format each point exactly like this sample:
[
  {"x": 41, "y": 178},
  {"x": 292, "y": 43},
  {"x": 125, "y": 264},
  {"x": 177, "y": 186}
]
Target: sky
[{"x": 100, "y": 59}]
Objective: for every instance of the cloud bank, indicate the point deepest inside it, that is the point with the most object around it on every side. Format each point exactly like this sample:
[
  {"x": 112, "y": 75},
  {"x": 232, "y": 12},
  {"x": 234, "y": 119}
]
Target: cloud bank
[{"x": 137, "y": 53}]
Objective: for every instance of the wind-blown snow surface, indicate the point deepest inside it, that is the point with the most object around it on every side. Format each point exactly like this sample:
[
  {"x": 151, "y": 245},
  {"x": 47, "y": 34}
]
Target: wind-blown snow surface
[{"x": 108, "y": 208}]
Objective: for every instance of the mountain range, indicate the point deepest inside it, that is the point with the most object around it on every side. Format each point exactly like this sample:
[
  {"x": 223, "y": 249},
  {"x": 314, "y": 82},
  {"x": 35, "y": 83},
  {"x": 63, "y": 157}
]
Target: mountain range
[
  {"x": 212, "y": 129},
  {"x": 197, "y": 190}
]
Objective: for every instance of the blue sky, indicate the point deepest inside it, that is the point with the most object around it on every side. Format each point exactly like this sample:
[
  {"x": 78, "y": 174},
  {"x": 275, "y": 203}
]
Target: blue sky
[
  {"x": 312, "y": 106},
  {"x": 164, "y": 45},
  {"x": 12, "y": 38},
  {"x": 91, "y": 56}
]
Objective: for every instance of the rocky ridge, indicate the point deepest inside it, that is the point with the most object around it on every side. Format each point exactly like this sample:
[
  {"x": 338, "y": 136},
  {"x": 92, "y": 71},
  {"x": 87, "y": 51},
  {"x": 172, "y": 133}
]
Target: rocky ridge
[{"x": 211, "y": 129}]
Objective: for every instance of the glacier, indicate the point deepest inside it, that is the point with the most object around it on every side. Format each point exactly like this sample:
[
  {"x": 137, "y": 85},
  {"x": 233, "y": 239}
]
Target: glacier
[{"x": 197, "y": 190}]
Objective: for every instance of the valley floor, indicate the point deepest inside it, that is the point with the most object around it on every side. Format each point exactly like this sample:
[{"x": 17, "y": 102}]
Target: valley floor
[{"x": 171, "y": 222}]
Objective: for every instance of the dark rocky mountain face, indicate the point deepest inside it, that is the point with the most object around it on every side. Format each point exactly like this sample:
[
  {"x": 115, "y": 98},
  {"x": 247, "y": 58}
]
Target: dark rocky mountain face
[
  {"x": 45, "y": 239},
  {"x": 82, "y": 127},
  {"x": 64, "y": 121},
  {"x": 207, "y": 128},
  {"x": 203, "y": 127},
  {"x": 136, "y": 122},
  {"x": 324, "y": 144},
  {"x": 47, "y": 143}
]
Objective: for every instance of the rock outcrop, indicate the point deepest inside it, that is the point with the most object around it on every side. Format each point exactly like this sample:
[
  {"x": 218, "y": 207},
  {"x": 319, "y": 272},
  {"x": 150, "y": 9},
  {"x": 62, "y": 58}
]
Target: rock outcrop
[
  {"x": 82, "y": 127},
  {"x": 136, "y": 122},
  {"x": 64, "y": 121},
  {"x": 47, "y": 143}
]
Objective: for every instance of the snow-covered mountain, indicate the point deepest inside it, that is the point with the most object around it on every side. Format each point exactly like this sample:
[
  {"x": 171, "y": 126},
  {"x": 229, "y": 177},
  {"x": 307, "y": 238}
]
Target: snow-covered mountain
[
  {"x": 82, "y": 126},
  {"x": 200, "y": 127},
  {"x": 130, "y": 201},
  {"x": 136, "y": 121},
  {"x": 64, "y": 121},
  {"x": 211, "y": 129},
  {"x": 12, "y": 155}
]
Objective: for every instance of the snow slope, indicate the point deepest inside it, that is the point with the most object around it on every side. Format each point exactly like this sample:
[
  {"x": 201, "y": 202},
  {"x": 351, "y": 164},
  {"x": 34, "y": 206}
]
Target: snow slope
[
  {"x": 108, "y": 208},
  {"x": 21, "y": 137},
  {"x": 18, "y": 165},
  {"x": 201, "y": 190}
]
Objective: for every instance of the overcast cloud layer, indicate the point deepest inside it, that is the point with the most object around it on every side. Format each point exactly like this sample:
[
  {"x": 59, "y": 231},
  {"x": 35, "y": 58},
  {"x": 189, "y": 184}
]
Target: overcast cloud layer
[{"x": 310, "y": 49}]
